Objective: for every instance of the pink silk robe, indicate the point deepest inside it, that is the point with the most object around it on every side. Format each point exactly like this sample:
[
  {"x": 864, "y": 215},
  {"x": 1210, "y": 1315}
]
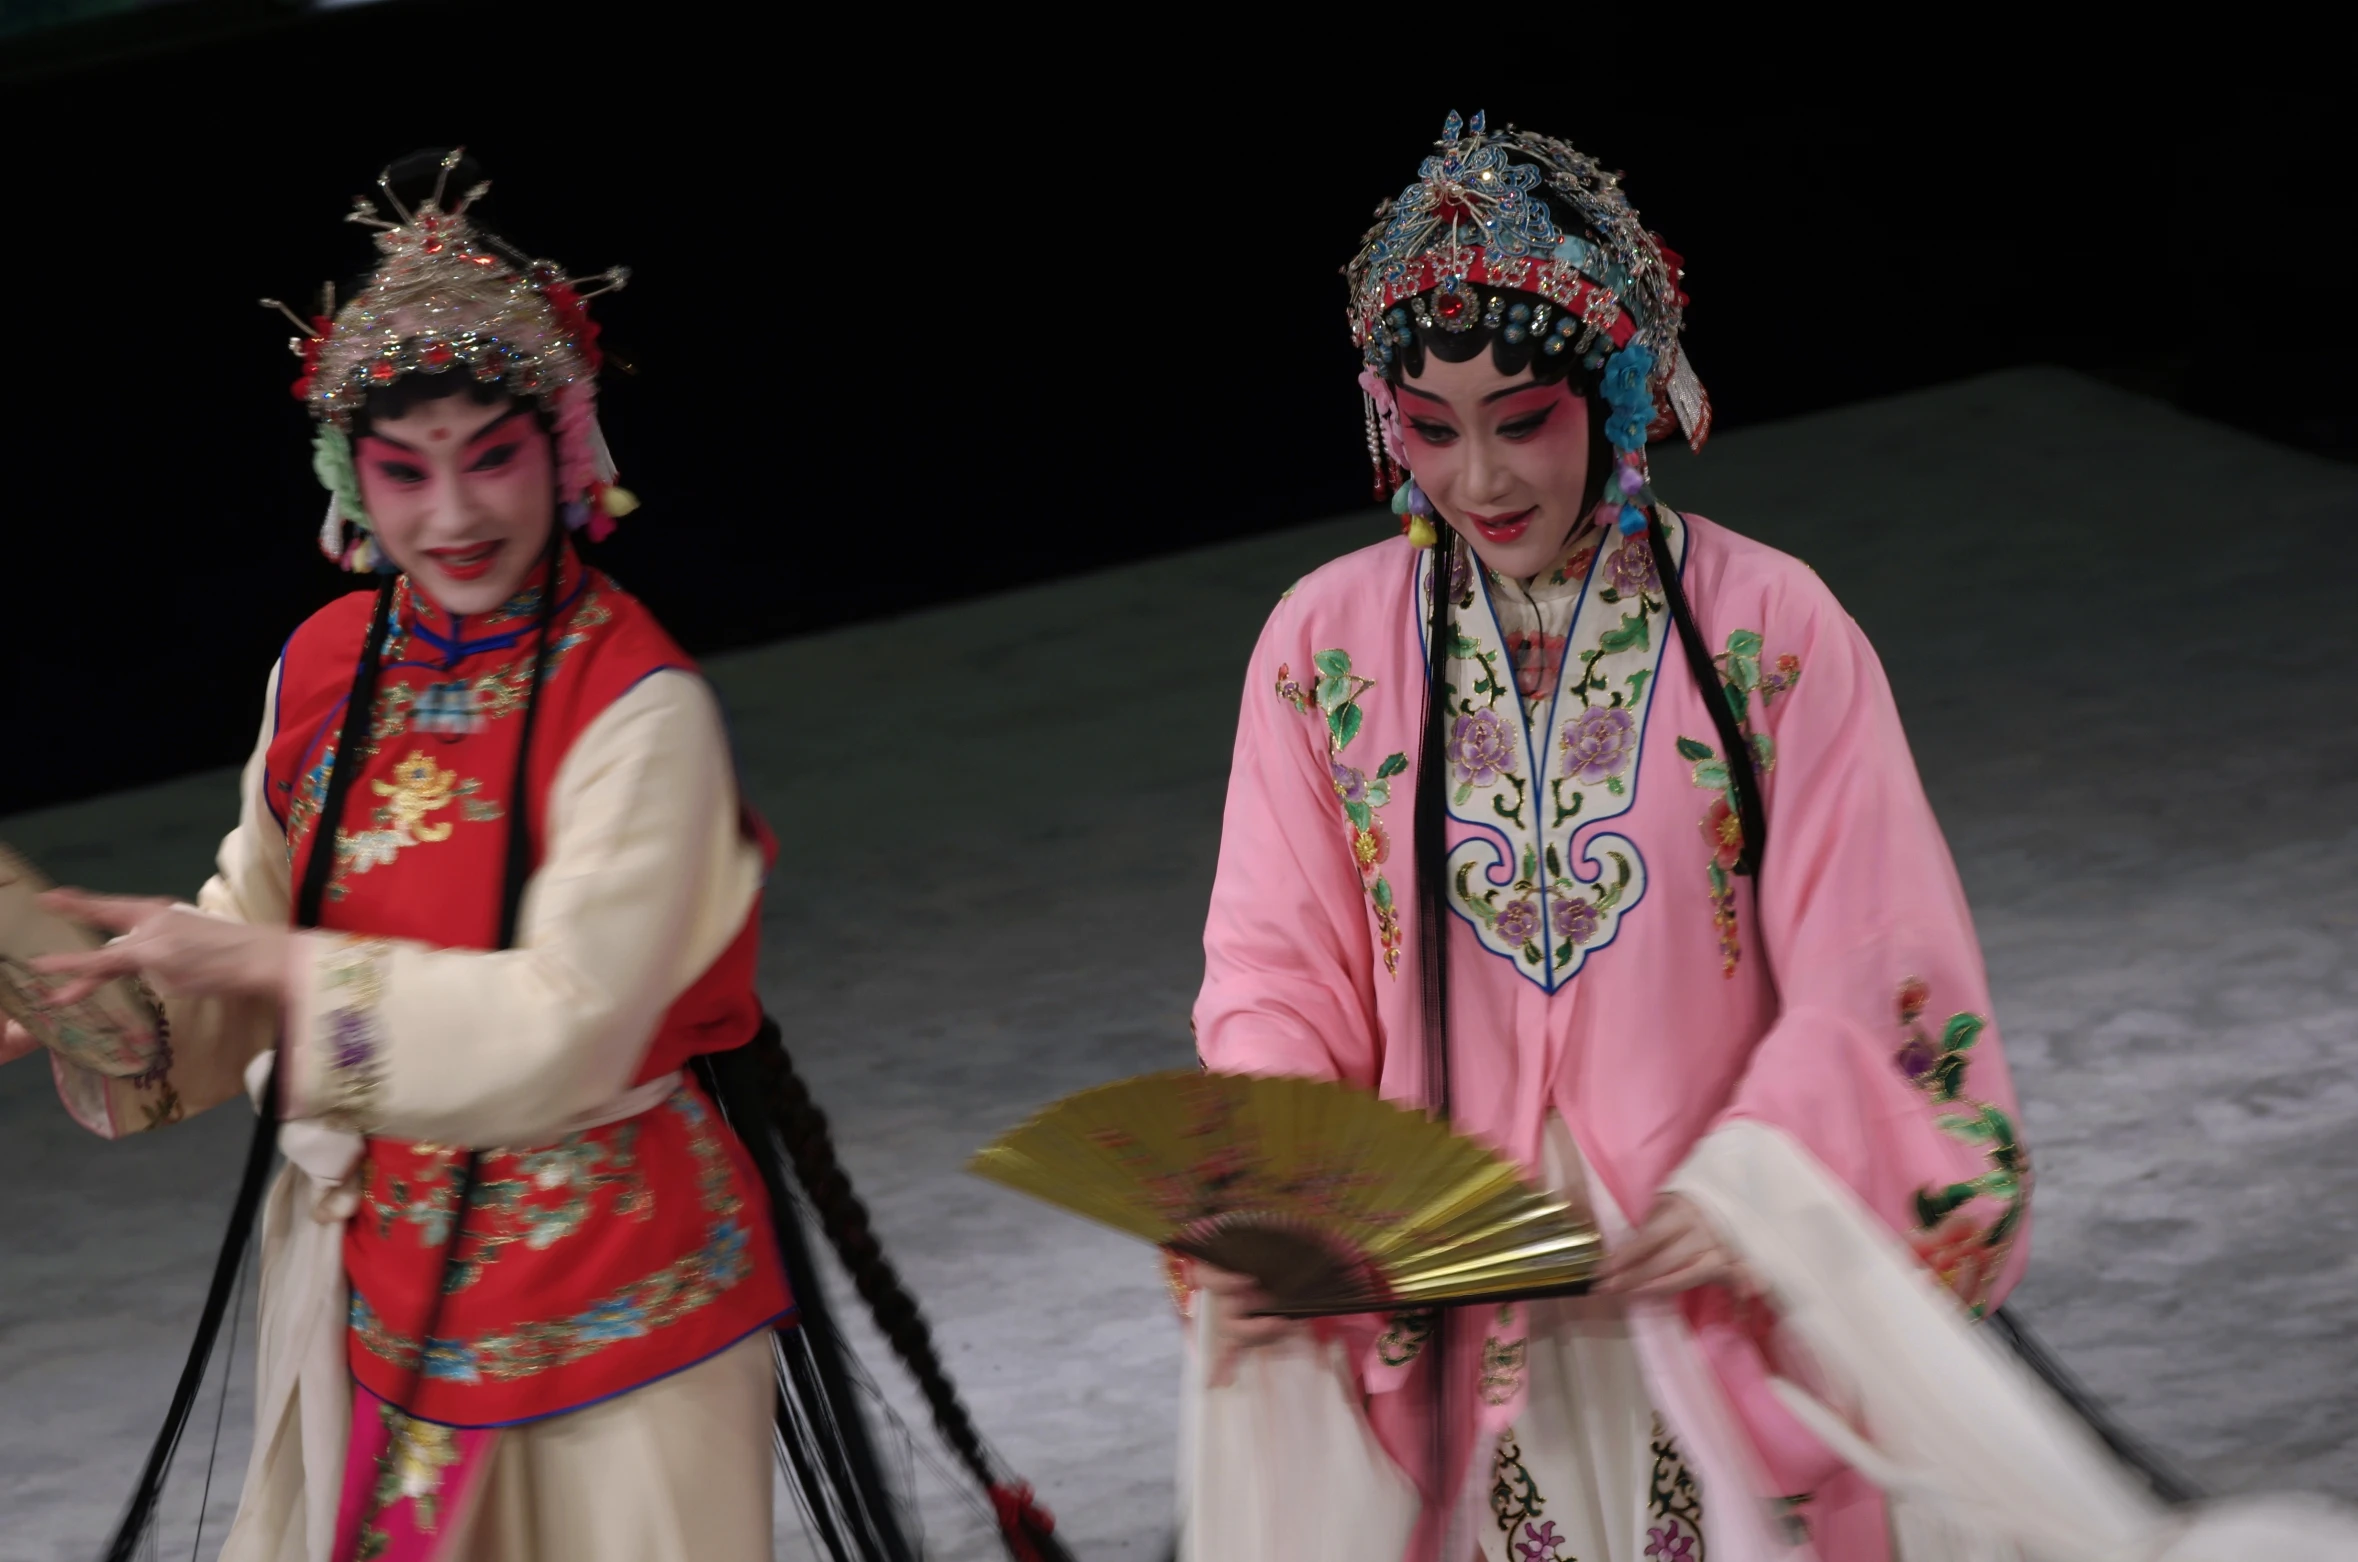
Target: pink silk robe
[{"x": 1604, "y": 963}]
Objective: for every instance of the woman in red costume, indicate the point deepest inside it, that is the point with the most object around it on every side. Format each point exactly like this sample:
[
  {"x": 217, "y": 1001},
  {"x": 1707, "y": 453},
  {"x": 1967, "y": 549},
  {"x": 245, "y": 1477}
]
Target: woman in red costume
[{"x": 482, "y": 950}]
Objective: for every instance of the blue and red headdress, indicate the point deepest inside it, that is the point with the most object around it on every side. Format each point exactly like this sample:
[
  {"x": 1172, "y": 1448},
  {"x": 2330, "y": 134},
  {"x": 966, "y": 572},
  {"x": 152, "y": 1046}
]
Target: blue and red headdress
[{"x": 1527, "y": 213}]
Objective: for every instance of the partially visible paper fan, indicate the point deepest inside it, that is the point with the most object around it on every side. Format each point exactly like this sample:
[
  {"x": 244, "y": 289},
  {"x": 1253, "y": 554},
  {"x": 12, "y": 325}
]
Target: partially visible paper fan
[
  {"x": 113, "y": 1031},
  {"x": 1334, "y": 1200}
]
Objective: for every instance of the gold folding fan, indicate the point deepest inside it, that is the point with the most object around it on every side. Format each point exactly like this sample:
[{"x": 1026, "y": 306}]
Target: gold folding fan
[{"x": 1334, "y": 1200}]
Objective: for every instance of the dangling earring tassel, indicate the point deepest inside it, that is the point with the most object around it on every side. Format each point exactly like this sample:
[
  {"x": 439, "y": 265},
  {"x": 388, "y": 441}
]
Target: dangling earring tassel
[
  {"x": 1375, "y": 447},
  {"x": 1416, "y": 514}
]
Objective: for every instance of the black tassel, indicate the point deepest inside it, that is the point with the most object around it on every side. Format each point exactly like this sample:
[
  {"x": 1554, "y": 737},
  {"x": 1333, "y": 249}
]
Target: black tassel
[{"x": 820, "y": 1427}]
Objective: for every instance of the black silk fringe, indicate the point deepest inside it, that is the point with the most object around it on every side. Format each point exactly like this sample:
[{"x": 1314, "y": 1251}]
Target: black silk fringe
[
  {"x": 821, "y": 1431},
  {"x": 139, "y": 1514}
]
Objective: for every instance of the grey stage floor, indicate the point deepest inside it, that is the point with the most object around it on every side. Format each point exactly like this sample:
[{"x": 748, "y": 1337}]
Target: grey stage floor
[{"x": 2122, "y": 640}]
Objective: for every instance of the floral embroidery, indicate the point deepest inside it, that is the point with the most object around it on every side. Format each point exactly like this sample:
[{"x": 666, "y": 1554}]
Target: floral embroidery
[
  {"x": 1502, "y": 1364},
  {"x": 353, "y": 980},
  {"x": 510, "y": 1201},
  {"x": 495, "y": 695},
  {"x": 1515, "y": 1500},
  {"x": 1335, "y": 696},
  {"x": 1535, "y": 767},
  {"x": 1404, "y": 1340},
  {"x": 1673, "y": 1503},
  {"x": 410, "y": 1468},
  {"x": 1740, "y": 678},
  {"x": 671, "y": 1293},
  {"x": 1966, "y": 1253}
]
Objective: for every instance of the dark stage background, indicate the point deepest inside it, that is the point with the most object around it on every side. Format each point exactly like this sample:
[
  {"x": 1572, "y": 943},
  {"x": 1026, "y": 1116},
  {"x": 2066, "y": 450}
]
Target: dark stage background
[{"x": 922, "y": 315}]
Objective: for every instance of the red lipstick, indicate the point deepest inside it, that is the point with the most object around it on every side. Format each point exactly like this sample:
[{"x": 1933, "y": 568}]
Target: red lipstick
[
  {"x": 1502, "y": 528},
  {"x": 468, "y": 563}
]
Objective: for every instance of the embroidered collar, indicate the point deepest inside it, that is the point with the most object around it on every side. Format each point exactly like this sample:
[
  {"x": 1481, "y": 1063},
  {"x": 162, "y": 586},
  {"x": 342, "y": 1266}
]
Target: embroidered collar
[
  {"x": 453, "y": 637},
  {"x": 1525, "y": 778}
]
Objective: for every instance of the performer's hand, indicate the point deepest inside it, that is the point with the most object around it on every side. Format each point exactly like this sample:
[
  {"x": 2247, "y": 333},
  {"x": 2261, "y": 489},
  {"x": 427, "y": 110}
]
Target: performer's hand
[
  {"x": 1232, "y": 1298},
  {"x": 1675, "y": 1250},
  {"x": 180, "y": 951},
  {"x": 15, "y": 1042}
]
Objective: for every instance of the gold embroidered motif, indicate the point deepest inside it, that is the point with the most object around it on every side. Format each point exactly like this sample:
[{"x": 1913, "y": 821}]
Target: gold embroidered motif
[
  {"x": 1502, "y": 1364},
  {"x": 419, "y": 787},
  {"x": 410, "y": 1467}
]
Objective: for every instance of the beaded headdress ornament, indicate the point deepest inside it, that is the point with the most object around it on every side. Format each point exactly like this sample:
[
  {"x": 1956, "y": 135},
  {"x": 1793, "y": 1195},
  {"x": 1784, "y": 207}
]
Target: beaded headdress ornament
[
  {"x": 453, "y": 298},
  {"x": 1514, "y": 210}
]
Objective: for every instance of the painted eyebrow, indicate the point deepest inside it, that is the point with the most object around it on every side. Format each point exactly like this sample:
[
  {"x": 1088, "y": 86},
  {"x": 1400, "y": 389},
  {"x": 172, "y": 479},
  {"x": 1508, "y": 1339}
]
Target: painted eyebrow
[
  {"x": 1496, "y": 395},
  {"x": 484, "y": 431}
]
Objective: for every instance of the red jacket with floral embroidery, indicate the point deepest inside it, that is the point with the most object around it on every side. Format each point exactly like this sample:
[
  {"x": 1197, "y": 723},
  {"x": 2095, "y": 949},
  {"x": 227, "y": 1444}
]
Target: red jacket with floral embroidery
[{"x": 613, "y": 1257}]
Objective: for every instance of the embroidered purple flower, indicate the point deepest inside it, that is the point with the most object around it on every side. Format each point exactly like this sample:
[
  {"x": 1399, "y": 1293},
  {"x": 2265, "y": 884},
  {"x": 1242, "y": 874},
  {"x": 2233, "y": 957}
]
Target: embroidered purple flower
[
  {"x": 1598, "y": 742},
  {"x": 1574, "y": 919},
  {"x": 1481, "y": 748},
  {"x": 1539, "y": 1543},
  {"x": 1350, "y": 784},
  {"x": 1669, "y": 1545},
  {"x": 1918, "y": 1055},
  {"x": 1631, "y": 569},
  {"x": 1518, "y": 922}
]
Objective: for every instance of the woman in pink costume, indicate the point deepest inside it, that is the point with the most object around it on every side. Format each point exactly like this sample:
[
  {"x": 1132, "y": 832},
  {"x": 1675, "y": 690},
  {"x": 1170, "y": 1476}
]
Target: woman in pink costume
[{"x": 1591, "y": 824}]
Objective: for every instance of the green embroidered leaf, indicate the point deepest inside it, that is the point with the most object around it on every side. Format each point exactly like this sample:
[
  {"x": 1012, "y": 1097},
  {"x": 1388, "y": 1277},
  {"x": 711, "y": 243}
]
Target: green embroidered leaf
[
  {"x": 1637, "y": 683},
  {"x": 1564, "y": 952},
  {"x": 2004, "y": 1226},
  {"x": 1335, "y": 664},
  {"x": 1718, "y": 877},
  {"x": 1971, "y": 1129},
  {"x": 1555, "y": 864},
  {"x": 1531, "y": 953},
  {"x": 1459, "y": 645},
  {"x": 1530, "y": 865},
  {"x": 2001, "y": 1131},
  {"x": 1609, "y": 595},
  {"x": 1393, "y": 764},
  {"x": 1961, "y": 1032},
  {"x": 1345, "y": 724},
  {"x": 1332, "y": 692},
  {"x": 1631, "y": 636},
  {"x": 1712, "y": 777},
  {"x": 1933, "y": 1205},
  {"x": 1744, "y": 642},
  {"x": 1378, "y": 793},
  {"x": 1360, "y": 815},
  {"x": 1688, "y": 748},
  {"x": 1382, "y": 894},
  {"x": 1764, "y": 749},
  {"x": 1614, "y": 785},
  {"x": 1998, "y": 1184},
  {"x": 1463, "y": 794},
  {"x": 1948, "y": 1077},
  {"x": 1744, "y": 673}
]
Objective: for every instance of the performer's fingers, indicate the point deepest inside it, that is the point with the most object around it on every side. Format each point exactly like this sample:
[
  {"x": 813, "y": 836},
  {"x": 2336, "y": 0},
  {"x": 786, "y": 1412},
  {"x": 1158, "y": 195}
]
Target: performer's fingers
[
  {"x": 115, "y": 913},
  {"x": 1679, "y": 1247},
  {"x": 1641, "y": 1247}
]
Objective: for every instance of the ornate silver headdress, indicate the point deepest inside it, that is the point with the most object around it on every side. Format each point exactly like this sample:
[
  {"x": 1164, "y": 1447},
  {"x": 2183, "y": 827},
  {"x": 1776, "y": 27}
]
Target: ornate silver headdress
[
  {"x": 1485, "y": 210},
  {"x": 452, "y": 297}
]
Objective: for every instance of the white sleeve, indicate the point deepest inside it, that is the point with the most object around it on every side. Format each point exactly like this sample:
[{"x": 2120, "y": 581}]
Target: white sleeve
[{"x": 646, "y": 879}]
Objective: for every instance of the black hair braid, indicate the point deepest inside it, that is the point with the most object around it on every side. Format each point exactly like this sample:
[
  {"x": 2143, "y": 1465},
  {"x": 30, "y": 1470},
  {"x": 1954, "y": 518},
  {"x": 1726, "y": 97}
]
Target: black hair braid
[
  {"x": 811, "y": 1146},
  {"x": 139, "y": 1514}
]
